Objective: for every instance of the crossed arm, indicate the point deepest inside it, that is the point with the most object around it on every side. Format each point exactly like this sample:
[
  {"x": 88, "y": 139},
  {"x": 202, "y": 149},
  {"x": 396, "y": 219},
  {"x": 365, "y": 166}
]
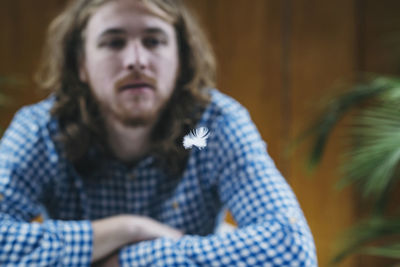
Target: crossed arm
[
  {"x": 271, "y": 228},
  {"x": 26, "y": 175},
  {"x": 113, "y": 233}
]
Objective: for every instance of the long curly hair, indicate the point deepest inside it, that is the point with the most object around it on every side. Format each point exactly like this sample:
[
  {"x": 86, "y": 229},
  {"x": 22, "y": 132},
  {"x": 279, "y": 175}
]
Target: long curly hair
[{"x": 81, "y": 126}]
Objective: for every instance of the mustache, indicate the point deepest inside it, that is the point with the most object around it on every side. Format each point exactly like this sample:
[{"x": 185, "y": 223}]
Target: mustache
[{"x": 136, "y": 78}]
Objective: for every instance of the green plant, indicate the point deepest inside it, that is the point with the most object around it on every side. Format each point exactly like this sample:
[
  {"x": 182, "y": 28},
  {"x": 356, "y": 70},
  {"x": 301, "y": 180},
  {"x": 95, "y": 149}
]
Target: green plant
[
  {"x": 371, "y": 161},
  {"x": 6, "y": 101},
  {"x": 4, "y": 81}
]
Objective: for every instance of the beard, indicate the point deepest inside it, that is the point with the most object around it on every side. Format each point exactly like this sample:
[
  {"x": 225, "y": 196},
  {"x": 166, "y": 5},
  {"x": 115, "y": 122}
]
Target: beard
[{"x": 128, "y": 116}]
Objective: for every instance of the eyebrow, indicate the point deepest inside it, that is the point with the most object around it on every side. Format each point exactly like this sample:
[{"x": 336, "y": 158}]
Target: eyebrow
[
  {"x": 155, "y": 30},
  {"x": 119, "y": 31},
  {"x": 112, "y": 31}
]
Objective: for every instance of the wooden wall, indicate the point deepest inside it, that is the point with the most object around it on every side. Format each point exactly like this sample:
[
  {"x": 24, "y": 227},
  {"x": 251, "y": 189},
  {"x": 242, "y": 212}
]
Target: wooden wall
[
  {"x": 23, "y": 24},
  {"x": 279, "y": 58}
]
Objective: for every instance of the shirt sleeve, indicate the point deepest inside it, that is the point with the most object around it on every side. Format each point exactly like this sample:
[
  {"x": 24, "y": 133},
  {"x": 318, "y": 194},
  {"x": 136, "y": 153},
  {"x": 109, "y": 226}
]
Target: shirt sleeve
[
  {"x": 272, "y": 230},
  {"x": 25, "y": 171}
]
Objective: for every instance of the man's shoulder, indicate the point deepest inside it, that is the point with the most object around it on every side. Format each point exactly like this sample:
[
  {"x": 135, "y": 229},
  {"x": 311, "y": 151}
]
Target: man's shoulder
[
  {"x": 30, "y": 129},
  {"x": 223, "y": 106},
  {"x": 38, "y": 112},
  {"x": 34, "y": 119}
]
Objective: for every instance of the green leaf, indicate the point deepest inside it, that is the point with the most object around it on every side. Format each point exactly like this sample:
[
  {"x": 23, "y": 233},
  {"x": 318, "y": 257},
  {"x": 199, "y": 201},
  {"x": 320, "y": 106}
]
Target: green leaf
[
  {"x": 389, "y": 251},
  {"x": 13, "y": 81},
  {"x": 371, "y": 161},
  {"x": 9, "y": 81},
  {"x": 337, "y": 108},
  {"x": 374, "y": 160},
  {"x": 357, "y": 239}
]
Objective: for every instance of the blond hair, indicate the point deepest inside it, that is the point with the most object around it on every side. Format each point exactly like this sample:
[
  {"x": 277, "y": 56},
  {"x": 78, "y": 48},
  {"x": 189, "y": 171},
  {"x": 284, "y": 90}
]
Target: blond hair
[{"x": 81, "y": 126}]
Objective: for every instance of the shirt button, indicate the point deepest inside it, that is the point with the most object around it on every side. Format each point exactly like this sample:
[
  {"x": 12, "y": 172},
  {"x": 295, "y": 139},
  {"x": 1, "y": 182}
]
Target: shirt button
[
  {"x": 1, "y": 197},
  {"x": 175, "y": 205},
  {"x": 293, "y": 220},
  {"x": 131, "y": 176}
]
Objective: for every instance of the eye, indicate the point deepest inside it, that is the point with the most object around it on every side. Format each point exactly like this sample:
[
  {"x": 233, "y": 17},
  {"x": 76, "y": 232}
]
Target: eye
[
  {"x": 114, "y": 43},
  {"x": 152, "y": 42}
]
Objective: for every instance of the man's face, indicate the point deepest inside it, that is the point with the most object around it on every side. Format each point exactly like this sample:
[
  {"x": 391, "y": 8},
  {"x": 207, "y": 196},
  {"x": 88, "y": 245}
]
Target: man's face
[{"x": 130, "y": 61}]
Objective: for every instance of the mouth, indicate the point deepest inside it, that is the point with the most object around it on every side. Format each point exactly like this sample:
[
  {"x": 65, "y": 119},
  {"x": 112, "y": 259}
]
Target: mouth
[{"x": 136, "y": 86}]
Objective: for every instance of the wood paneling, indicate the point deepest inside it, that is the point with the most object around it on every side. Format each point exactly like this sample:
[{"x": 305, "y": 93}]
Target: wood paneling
[
  {"x": 323, "y": 43},
  {"x": 23, "y": 24},
  {"x": 380, "y": 36},
  {"x": 279, "y": 59},
  {"x": 379, "y": 42},
  {"x": 248, "y": 44}
]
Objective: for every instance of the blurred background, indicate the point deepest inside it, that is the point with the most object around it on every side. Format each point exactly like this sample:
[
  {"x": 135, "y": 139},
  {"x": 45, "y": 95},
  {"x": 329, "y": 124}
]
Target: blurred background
[{"x": 280, "y": 59}]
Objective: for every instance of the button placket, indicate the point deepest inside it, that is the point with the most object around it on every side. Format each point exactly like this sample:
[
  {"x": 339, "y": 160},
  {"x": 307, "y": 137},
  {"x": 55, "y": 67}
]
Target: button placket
[{"x": 131, "y": 176}]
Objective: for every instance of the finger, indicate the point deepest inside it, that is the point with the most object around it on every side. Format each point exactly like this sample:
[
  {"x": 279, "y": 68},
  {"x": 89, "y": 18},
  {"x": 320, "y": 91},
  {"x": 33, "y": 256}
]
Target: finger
[{"x": 157, "y": 229}]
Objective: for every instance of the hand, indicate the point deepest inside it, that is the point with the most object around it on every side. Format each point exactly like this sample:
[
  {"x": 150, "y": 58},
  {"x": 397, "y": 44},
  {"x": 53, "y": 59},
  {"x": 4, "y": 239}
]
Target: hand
[
  {"x": 110, "y": 234},
  {"x": 145, "y": 228}
]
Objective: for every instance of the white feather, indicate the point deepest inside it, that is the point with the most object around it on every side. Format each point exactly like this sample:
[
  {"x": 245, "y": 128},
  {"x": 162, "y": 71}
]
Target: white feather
[{"x": 197, "y": 137}]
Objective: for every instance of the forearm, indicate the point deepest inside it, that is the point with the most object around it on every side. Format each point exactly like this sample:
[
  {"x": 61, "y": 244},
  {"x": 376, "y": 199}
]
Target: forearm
[
  {"x": 53, "y": 243},
  {"x": 110, "y": 234},
  {"x": 113, "y": 233},
  {"x": 269, "y": 242}
]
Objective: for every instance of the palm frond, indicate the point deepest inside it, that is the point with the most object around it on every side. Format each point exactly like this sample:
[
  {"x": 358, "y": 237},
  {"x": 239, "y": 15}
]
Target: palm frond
[
  {"x": 6, "y": 101},
  {"x": 374, "y": 129},
  {"x": 8, "y": 81},
  {"x": 388, "y": 251},
  {"x": 375, "y": 157},
  {"x": 340, "y": 106},
  {"x": 359, "y": 237},
  {"x": 372, "y": 162}
]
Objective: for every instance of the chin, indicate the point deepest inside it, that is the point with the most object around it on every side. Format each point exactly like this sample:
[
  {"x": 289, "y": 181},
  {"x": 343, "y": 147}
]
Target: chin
[
  {"x": 139, "y": 120},
  {"x": 139, "y": 115}
]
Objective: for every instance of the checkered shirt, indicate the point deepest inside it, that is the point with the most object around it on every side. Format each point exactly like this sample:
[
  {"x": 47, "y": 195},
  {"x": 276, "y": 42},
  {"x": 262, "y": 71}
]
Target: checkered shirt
[{"x": 232, "y": 172}]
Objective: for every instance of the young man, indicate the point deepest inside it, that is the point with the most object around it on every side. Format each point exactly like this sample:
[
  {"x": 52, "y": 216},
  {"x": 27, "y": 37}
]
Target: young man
[{"x": 104, "y": 157}]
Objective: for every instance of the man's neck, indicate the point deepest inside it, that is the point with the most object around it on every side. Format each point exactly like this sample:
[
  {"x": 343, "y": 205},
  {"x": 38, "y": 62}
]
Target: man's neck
[{"x": 128, "y": 143}]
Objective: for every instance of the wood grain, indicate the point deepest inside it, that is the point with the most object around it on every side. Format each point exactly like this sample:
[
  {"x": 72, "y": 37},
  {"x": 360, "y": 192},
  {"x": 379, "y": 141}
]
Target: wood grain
[{"x": 280, "y": 59}]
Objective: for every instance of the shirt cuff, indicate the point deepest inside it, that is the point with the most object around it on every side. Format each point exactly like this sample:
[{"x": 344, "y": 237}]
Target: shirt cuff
[
  {"x": 77, "y": 241},
  {"x": 158, "y": 252}
]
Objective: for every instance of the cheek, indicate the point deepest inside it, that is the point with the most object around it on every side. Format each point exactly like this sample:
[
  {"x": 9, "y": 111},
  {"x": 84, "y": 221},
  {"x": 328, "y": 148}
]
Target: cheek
[
  {"x": 102, "y": 71},
  {"x": 170, "y": 69},
  {"x": 169, "y": 76},
  {"x": 101, "y": 80},
  {"x": 102, "y": 63}
]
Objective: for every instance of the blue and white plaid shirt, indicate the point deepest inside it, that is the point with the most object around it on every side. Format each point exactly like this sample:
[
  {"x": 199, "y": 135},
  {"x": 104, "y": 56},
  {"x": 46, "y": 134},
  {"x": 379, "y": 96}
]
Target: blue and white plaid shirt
[{"x": 233, "y": 172}]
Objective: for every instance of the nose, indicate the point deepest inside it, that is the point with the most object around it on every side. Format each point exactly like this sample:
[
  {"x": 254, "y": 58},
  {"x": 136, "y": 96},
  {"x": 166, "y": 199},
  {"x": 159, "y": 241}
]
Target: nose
[{"x": 135, "y": 57}]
